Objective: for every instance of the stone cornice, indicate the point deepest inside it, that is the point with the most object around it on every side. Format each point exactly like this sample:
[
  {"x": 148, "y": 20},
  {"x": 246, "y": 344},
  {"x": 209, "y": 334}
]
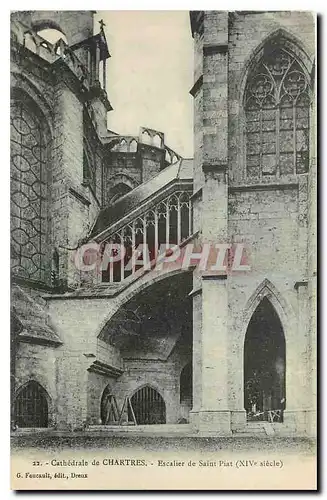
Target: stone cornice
[
  {"x": 298, "y": 284},
  {"x": 217, "y": 166},
  {"x": 215, "y": 277},
  {"x": 105, "y": 369},
  {"x": 215, "y": 48},
  {"x": 27, "y": 338},
  {"x": 263, "y": 186}
]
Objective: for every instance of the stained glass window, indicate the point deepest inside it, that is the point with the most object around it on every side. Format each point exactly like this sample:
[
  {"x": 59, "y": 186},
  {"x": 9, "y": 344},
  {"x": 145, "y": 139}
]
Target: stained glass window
[
  {"x": 277, "y": 102},
  {"x": 29, "y": 183}
]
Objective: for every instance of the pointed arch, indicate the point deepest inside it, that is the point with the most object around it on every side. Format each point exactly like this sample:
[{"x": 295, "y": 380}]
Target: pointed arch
[
  {"x": 105, "y": 404},
  {"x": 267, "y": 289},
  {"x": 146, "y": 137},
  {"x": 148, "y": 405},
  {"x": 118, "y": 191},
  {"x": 123, "y": 146},
  {"x": 30, "y": 151},
  {"x": 30, "y": 92},
  {"x": 32, "y": 405},
  {"x": 264, "y": 363},
  {"x": 133, "y": 146},
  {"x": 146, "y": 384},
  {"x": 146, "y": 281},
  {"x": 186, "y": 384},
  {"x": 284, "y": 38},
  {"x": 276, "y": 95},
  {"x": 157, "y": 141}
]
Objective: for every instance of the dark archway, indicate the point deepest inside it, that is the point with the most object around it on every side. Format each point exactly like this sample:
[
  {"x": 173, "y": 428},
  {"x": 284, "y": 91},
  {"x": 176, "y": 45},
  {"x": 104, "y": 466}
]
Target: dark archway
[
  {"x": 149, "y": 406},
  {"x": 118, "y": 191},
  {"x": 186, "y": 385},
  {"x": 31, "y": 406},
  {"x": 106, "y": 410},
  {"x": 264, "y": 365}
]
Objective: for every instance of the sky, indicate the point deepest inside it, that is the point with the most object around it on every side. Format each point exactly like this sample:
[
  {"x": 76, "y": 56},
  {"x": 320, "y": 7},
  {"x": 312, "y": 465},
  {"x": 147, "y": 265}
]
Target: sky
[{"x": 150, "y": 74}]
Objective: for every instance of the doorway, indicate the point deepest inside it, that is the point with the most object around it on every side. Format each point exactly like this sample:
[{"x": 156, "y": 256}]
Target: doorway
[
  {"x": 149, "y": 407},
  {"x": 31, "y": 406},
  {"x": 264, "y": 365}
]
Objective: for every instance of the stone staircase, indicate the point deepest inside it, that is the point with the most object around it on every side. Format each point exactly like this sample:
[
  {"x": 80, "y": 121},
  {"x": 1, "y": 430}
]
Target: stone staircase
[{"x": 256, "y": 429}]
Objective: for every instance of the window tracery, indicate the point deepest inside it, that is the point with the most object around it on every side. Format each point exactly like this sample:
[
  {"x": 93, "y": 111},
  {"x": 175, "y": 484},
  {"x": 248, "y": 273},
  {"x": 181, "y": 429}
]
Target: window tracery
[
  {"x": 277, "y": 103},
  {"x": 29, "y": 185}
]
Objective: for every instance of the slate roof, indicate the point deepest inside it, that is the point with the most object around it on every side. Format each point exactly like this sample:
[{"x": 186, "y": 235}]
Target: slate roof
[{"x": 31, "y": 318}]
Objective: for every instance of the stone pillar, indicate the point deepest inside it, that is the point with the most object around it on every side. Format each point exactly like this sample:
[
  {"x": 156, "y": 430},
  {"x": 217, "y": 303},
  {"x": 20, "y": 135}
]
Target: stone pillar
[
  {"x": 213, "y": 416},
  {"x": 297, "y": 348},
  {"x": 312, "y": 269},
  {"x": 197, "y": 93},
  {"x": 67, "y": 168},
  {"x": 301, "y": 383}
]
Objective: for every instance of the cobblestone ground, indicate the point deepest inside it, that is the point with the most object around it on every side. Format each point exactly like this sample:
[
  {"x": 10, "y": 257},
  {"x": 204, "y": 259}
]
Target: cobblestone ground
[{"x": 302, "y": 446}]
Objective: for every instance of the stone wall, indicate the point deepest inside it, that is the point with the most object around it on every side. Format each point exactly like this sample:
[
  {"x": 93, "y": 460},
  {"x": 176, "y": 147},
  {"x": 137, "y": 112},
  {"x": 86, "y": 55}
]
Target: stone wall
[
  {"x": 38, "y": 363},
  {"x": 274, "y": 219},
  {"x": 270, "y": 219}
]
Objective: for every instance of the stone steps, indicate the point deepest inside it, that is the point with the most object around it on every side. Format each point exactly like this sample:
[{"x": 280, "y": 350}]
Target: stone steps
[
  {"x": 158, "y": 429},
  {"x": 257, "y": 429}
]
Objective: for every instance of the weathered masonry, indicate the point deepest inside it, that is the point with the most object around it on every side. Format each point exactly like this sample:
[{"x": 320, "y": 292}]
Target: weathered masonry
[{"x": 220, "y": 354}]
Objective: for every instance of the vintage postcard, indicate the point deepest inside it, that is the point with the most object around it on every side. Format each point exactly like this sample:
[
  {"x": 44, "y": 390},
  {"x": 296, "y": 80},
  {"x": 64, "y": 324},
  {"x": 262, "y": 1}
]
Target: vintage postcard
[{"x": 163, "y": 250}]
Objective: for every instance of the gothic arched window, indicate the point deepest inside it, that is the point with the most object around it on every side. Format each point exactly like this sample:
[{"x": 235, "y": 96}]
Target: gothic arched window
[
  {"x": 277, "y": 102},
  {"x": 29, "y": 190},
  {"x": 31, "y": 406}
]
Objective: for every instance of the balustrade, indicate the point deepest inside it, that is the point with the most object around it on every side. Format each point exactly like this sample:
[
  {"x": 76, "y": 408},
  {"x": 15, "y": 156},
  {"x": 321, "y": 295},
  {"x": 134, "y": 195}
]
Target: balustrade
[
  {"x": 51, "y": 51},
  {"x": 138, "y": 243}
]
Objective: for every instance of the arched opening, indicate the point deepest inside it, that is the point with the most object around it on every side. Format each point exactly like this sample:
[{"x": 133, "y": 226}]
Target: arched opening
[
  {"x": 152, "y": 331},
  {"x": 148, "y": 406},
  {"x": 118, "y": 191},
  {"x": 52, "y": 35},
  {"x": 277, "y": 107},
  {"x": 30, "y": 180},
  {"x": 133, "y": 146},
  {"x": 146, "y": 139},
  {"x": 186, "y": 392},
  {"x": 31, "y": 406},
  {"x": 264, "y": 365},
  {"x": 186, "y": 384},
  {"x": 107, "y": 408},
  {"x": 157, "y": 141},
  {"x": 123, "y": 146}
]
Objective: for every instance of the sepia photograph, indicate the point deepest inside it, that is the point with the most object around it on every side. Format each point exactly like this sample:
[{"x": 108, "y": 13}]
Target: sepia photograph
[{"x": 163, "y": 248}]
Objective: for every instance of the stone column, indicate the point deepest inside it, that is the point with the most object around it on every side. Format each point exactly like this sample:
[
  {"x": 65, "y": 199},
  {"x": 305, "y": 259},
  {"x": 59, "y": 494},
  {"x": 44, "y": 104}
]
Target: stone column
[
  {"x": 212, "y": 413},
  {"x": 67, "y": 172},
  {"x": 297, "y": 348},
  {"x": 312, "y": 269}
]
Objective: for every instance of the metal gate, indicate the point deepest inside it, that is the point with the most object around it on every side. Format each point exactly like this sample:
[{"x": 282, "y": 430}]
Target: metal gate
[
  {"x": 31, "y": 407},
  {"x": 149, "y": 407}
]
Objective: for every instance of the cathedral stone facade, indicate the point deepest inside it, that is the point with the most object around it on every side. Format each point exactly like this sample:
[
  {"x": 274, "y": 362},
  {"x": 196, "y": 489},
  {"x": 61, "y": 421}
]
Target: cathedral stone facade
[{"x": 103, "y": 338}]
